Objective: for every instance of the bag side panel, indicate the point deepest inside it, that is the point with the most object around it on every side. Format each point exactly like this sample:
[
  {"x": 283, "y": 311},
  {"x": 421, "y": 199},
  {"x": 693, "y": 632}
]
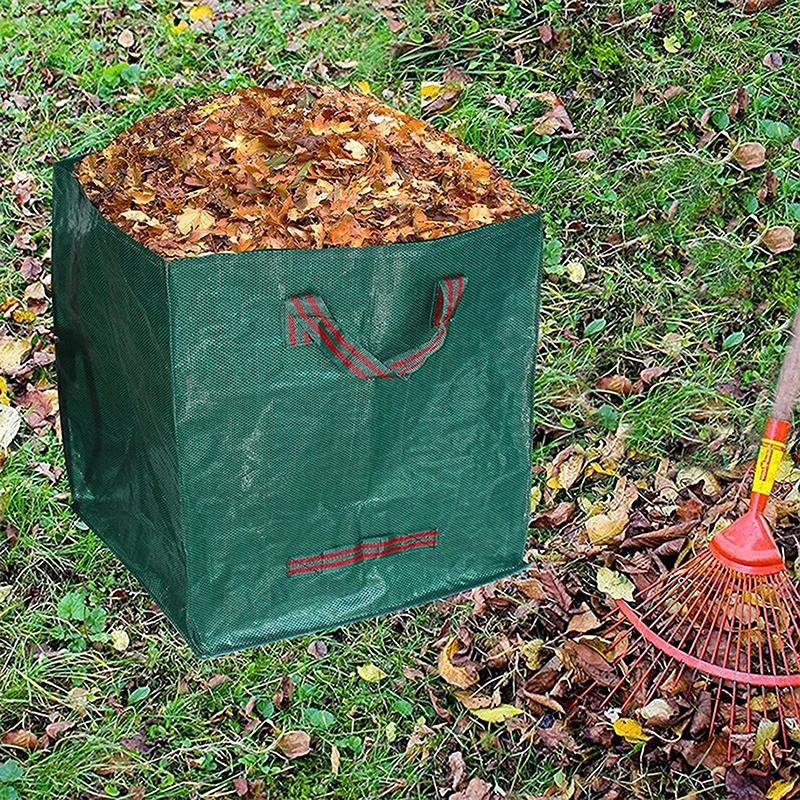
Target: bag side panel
[
  {"x": 113, "y": 363},
  {"x": 285, "y": 455}
]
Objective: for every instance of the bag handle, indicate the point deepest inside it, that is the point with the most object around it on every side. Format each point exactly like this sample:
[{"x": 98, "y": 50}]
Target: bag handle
[{"x": 309, "y": 322}]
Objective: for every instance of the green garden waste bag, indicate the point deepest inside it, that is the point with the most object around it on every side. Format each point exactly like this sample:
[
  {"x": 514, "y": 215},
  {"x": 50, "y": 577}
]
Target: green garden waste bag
[{"x": 283, "y": 441}]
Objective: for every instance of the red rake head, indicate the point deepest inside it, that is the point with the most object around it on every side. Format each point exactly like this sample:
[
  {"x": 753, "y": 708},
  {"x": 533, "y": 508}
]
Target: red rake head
[{"x": 723, "y": 619}]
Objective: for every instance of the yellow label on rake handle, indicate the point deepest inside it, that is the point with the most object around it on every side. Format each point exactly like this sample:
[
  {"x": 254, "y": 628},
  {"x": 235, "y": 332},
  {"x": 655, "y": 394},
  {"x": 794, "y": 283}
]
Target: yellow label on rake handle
[{"x": 769, "y": 461}]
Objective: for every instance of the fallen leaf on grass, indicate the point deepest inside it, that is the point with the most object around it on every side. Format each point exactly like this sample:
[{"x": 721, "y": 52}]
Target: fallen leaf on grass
[
  {"x": 23, "y": 739},
  {"x": 766, "y": 732},
  {"x": 370, "y": 673},
  {"x": 499, "y": 714},
  {"x": 12, "y": 353},
  {"x": 780, "y": 789},
  {"x": 458, "y": 769},
  {"x": 576, "y": 272},
  {"x": 555, "y": 118},
  {"x": 630, "y": 730},
  {"x": 125, "y": 38},
  {"x": 10, "y": 421},
  {"x": 657, "y": 712},
  {"x": 335, "y": 759},
  {"x": 119, "y": 640},
  {"x": 750, "y": 155},
  {"x": 553, "y": 517},
  {"x": 55, "y": 729},
  {"x": 584, "y": 155},
  {"x": 477, "y": 789},
  {"x": 754, "y": 6},
  {"x": 779, "y": 239},
  {"x": 318, "y": 649},
  {"x": 618, "y": 384},
  {"x": 584, "y": 622},
  {"x": 605, "y": 527},
  {"x": 200, "y": 12},
  {"x": 738, "y": 107},
  {"x": 294, "y": 744},
  {"x": 471, "y": 700},
  {"x": 773, "y": 60},
  {"x": 463, "y": 677},
  {"x": 617, "y": 586},
  {"x": 566, "y": 468}
]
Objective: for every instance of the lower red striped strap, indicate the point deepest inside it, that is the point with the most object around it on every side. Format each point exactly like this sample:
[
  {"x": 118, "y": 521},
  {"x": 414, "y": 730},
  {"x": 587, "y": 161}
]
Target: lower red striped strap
[
  {"x": 368, "y": 549},
  {"x": 308, "y": 321}
]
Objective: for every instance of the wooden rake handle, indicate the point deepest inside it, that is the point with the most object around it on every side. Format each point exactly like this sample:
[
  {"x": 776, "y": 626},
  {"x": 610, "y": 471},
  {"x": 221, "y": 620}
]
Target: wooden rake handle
[{"x": 788, "y": 385}]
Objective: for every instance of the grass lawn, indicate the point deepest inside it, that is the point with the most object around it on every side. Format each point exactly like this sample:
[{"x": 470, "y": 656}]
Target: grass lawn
[{"x": 653, "y": 259}]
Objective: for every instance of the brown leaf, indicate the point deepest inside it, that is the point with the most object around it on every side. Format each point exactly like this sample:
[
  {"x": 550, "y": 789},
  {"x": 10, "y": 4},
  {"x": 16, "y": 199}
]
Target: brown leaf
[
  {"x": 553, "y": 517},
  {"x": 294, "y": 744},
  {"x": 618, "y": 384},
  {"x": 472, "y": 700},
  {"x": 742, "y": 787},
  {"x": 318, "y": 649},
  {"x": 779, "y": 239},
  {"x": 458, "y": 769},
  {"x": 555, "y": 118},
  {"x": 583, "y": 622},
  {"x": 125, "y": 38},
  {"x": 588, "y": 662},
  {"x": 23, "y": 739},
  {"x": 739, "y": 106},
  {"x": 54, "y": 729},
  {"x": 216, "y": 680},
  {"x": 138, "y": 744},
  {"x": 584, "y": 155},
  {"x": 754, "y": 6},
  {"x": 750, "y": 155},
  {"x": 241, "y": 787},
  {"x": 773, "y": 60},
  {"x": 461, "y": 676},
  {"x": 766, "y": 192},
  {"x": 283, "y": 696},
  {"x": 477, "y": 789}
]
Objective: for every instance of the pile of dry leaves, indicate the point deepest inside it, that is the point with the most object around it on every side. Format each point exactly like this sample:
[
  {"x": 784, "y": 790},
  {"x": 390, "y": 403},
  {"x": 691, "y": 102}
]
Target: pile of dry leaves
[{"x": 291, "y": 167}]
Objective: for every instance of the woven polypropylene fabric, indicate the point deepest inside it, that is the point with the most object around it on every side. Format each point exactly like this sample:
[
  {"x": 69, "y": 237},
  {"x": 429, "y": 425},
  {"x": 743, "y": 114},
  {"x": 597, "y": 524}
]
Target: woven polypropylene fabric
[{"x": 261, "y": 491}]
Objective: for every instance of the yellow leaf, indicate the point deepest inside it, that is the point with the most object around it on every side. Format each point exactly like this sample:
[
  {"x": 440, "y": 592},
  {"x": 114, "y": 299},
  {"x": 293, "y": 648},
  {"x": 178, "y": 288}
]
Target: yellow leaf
[
  {"x": 536, "y": 497},
  {"x": 630, "y": 730},
  {"x": 499, "y": 714},
  {"x": 455, "y": 676},
  {"x": 119, "y": 640},
  {"x": 429, "y": 89},
  {"x": 672, "y": 44},
  {"x": 370, "y": 673},
  {"x": 4, "y": 398},
  {"x": 200, "y": 12},
  {"x": 614, "y": 585},
  {"x": 767, "y": 731},
  {"x": 781, "y": 789},
  {"x": 363, "y": 86},
  {"x": 193, "y": 219},
  {"x": 576, "y": 272},
  {"x": 180, "y": 27}
]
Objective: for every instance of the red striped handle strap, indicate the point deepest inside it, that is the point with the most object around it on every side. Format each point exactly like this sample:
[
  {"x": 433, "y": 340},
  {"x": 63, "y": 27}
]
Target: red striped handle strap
[{"x": 308, "y": 321}]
